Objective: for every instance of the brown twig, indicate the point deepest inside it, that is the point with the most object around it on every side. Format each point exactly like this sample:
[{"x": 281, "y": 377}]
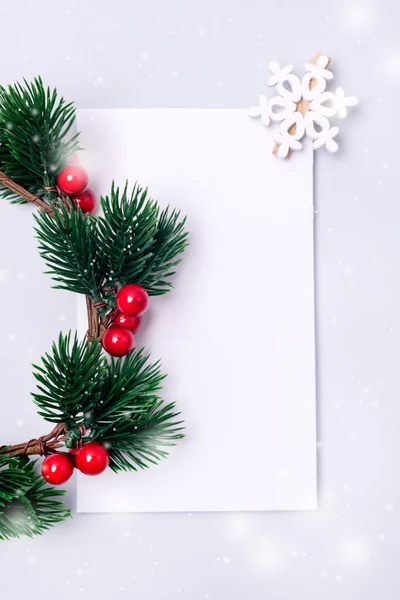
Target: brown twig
[
  {"x": 96, "y": 328},
  {"x": 21, "y": 191},
  {"x": 44, "y": 445}
]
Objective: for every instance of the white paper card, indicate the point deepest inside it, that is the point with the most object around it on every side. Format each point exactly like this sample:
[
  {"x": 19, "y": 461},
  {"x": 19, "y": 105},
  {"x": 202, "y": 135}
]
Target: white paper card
[{"x": 236, "y": 336}]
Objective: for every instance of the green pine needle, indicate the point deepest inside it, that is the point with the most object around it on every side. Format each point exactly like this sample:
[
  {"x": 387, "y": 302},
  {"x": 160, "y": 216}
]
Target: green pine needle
[
  {"x": 35, "y": 136},
  {"x": 69, "y": 245},
  {"x": 126, "y": 232},
  {"x": 117, "y": 401},
  {"x": 132, "y": 242},
  {"x": 131, "y": 419},
  {"x": 140, "y": 439},
  {"x": 69, "y": 381},
  {"x": 27, "y": 505},
  {"x": 141, "y": 244}
]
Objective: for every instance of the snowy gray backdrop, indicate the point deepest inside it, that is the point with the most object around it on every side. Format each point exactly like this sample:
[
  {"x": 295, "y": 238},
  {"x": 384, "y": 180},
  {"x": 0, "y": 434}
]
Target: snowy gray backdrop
[{"x": 214, "y": 53}]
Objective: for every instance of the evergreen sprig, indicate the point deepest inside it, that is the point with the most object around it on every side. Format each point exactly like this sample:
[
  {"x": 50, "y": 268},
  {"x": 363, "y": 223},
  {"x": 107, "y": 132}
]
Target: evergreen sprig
[
  {"x": 133, "y": 241},
  {"x": 34, "y": 129},
  {"x": 69, "y": 381},
  {"x": 117, "y": 401},
  {"x": 131, "y": 419},
  {"x": 141, "y": 439},
  {"x": 27, "y": 505},
  {"x": 68, "y": 242},
  {"x": 170, "y": 240},
  {"x": 141, "y": 243}
]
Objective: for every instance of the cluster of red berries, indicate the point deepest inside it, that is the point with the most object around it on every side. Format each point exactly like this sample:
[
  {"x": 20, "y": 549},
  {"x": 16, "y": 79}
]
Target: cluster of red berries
[
  {"x": 73, "y": 181},
  {"x": 132, "y": 302},
  {"x": 91, "y": 459}
]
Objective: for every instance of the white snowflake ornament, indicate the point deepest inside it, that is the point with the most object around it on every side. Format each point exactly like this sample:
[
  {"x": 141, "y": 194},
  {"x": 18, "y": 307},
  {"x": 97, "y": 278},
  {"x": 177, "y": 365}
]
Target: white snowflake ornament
[{"x": 303, "y": 107}]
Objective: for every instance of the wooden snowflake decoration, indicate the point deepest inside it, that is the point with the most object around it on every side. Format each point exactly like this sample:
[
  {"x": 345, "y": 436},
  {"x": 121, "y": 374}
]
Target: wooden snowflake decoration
[{"x": 303, "y": 107}]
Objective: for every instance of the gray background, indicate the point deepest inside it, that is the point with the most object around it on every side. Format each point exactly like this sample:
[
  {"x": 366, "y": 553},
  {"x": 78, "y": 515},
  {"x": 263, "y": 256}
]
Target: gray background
[{"x": 215, "y": 54}]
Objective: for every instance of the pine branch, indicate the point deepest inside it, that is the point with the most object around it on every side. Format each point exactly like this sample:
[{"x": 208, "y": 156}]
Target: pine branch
[
  {"x": 131, "y": 419},
  {"x": 170, "y": 240},
  {"x": 140, "y": 440},
  {"x": 140, "y": 244},
  {"x": 69, "y": 245},
  {"x": 27, "y": 505},
  {"x": 131, "y": 242},
  {"x": 126, "y": 232},
  {"x": 116, "y": 402},
  {"x": 128, "y": 385},
  {"x": 69, "y": 381},
  {"x": 34, "y": 125}
]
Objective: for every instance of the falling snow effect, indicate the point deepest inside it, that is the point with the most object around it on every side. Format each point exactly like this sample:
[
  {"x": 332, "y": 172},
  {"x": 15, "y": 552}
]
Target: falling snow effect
[{"x": 303, "y": 107}]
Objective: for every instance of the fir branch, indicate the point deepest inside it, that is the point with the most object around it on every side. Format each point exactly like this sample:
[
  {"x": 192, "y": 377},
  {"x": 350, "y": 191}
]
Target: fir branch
[
  {"x": 170, "y": 240},
  {"x": 129, "y": 385},
  {"x": 131, "y": 419},
  {"x": 69, "y": 381},
  {"x": 126, "y": 232},
  {"x": 116, "y": 402},
  {"x": 34, "y": 125},
  {"x": 140, "y": 245},
  {"x": 138, "y": 440},
  {"x": 69, "y": 245},
  {"x": 27, "y": 505}
]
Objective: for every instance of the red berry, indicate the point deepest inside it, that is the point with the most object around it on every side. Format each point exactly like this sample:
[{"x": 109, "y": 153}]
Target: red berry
[
  {"x": 132, "y": 323},
  {"x": 92, "y": 458},
  {"x": 57, "y": 468},
  {"x": 86, "y": 200},
  {"x": 72, "y": 180},
  {"x": 118, "y": 340},
  {"x": 132, "y": 300}
]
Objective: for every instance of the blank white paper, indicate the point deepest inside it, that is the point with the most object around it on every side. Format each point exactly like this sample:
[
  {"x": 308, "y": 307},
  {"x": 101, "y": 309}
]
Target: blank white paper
[{"x": 236, "y": 335}]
